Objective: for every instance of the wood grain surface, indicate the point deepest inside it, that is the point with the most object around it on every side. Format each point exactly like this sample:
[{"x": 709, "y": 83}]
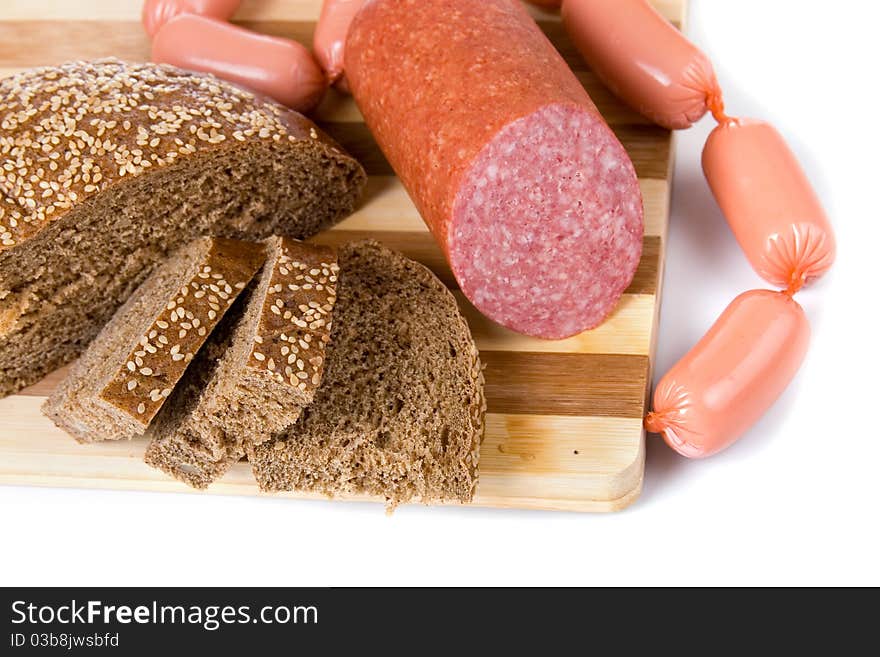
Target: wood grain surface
[{"x": 564, "y": 425}]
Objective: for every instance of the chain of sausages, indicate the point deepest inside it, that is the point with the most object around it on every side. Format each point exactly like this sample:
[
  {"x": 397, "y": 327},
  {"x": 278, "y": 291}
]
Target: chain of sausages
[{"x": 749, "y": 356}]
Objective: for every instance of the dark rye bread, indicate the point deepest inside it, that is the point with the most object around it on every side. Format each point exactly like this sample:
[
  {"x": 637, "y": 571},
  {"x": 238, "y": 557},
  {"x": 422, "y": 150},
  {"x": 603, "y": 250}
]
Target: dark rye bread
[
  {"x": 400, "y": 411},
  {"x": 106, "y": 167},
  {"x": 258, "y": 371},
  {"x": 122, "y": 381}
]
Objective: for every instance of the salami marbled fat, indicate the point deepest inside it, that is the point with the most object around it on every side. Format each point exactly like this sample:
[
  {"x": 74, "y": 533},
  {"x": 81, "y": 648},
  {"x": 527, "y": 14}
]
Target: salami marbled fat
[{"x": 531, "y": 196}]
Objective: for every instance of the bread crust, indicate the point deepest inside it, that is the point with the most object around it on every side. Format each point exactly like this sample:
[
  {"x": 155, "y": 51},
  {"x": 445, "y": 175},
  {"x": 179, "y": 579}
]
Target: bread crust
[
  {"x": 148, "y": 374},
  {"x": 72, "y": 132},
  {"x": 129, "y": 371}
]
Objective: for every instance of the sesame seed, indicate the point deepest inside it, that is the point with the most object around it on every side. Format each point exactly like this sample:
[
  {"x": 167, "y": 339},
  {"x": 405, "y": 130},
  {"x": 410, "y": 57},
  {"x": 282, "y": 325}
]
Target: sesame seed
[{"x": 131, "y": 385}]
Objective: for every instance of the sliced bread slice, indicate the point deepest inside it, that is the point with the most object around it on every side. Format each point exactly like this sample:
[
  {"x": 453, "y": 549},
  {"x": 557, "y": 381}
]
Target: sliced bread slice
[
  {"x": 257, "y": 373},
  {"x": 119, "y": 385},
  {"x": 400, "y": 411}
]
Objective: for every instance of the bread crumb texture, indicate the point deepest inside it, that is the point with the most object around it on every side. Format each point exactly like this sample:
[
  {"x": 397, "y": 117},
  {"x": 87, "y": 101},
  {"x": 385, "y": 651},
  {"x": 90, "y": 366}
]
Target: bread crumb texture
[{"x": 400, "y": 412}]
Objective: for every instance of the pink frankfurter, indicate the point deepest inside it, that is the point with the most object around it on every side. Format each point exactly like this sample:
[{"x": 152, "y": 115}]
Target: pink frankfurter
[
  {"x": 158, "y": 12},
  {"x": 732, "y": 376},
  {"x": 330, "y": 35},
  {"x": 768, "y": 202},
  {"x": 643, "y": 59},
  {"x": 280, "y": 68}
]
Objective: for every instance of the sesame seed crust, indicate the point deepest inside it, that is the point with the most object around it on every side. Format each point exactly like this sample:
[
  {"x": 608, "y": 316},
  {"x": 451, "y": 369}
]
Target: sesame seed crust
[
  {"x": 162, "y": 354},
  {"x": 296, "y": 318},
  {"x": 68, "y": 133},
  {"x": 251, "y": 379}
]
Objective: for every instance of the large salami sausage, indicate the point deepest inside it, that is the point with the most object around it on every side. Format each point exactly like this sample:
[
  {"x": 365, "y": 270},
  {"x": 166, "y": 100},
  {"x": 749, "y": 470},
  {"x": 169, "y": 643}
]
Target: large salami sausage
[{"x": 531, "y": 196}]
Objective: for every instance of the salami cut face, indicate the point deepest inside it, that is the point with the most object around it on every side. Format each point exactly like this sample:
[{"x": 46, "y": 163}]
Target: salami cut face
[
  {"x": 531, "y": 196},
  {"x": 549, "y": 197}
]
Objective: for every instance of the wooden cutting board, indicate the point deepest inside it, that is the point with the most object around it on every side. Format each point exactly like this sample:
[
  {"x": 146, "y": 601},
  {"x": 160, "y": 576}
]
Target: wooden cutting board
[{"x": 564, "y": 426}]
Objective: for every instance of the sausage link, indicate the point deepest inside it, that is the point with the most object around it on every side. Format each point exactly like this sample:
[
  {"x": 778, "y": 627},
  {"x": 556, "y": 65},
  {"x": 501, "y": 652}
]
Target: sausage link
[
  {"x": 768, "y": 202},
  {"x": 280, "y": 68},
  {"x": 156, "y": 13},
  {"x": 331, "y": 33},
  {"x": 732, "y": 376},
  {"x": 643, "y": 59}
]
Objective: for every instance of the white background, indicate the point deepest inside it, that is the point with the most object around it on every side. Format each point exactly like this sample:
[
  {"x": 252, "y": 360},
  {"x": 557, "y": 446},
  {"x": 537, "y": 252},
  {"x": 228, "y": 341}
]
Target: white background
[{"x": 794, "y": 502}]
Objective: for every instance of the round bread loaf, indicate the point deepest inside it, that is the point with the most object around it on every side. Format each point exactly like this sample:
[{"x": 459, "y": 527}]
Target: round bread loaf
[{"x": 107, "y": 166}]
